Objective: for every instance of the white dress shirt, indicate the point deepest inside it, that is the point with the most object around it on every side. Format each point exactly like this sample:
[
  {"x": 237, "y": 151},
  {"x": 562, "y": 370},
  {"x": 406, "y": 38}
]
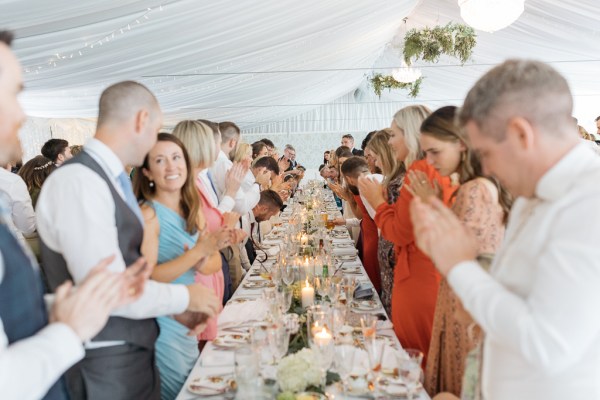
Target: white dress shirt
[
  {"x": 247, "y": 196},
  {"x": 76, "y": 217},
  {"x": 539, "y": 304},
  {"x": 23, "y": 217}
]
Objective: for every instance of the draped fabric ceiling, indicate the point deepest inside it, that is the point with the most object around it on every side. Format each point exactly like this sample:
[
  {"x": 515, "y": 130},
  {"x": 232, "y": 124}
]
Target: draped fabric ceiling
[{"x": 275, "y": 67}]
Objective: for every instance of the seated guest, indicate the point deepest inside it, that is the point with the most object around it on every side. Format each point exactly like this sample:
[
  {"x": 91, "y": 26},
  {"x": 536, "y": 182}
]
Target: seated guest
[
  {"x": 269, "y": 205},
  {"x": 87, "y": 211},
  {"x": 34, "y": 173},
  {"x": 353, "y": 168},
  {"x": 348, "y": 141},
  {"x": 173, "y": 219},
  {"x": 259, "y": 149},
  {"x": 57, "y": 151},
  {"x": 265, "y": 170},
  {"x": 22, "y": 218}
]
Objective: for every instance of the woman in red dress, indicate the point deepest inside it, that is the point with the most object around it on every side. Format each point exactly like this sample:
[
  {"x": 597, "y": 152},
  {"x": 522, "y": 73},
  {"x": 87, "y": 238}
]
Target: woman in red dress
[{"x": 416, "y": 281}]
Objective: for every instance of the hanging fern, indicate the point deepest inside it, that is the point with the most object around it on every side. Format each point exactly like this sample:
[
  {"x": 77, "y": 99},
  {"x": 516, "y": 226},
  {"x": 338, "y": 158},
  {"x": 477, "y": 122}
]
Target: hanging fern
[
  {"x": 428, "y": 44},
  {"x": 380, "y": 82}
]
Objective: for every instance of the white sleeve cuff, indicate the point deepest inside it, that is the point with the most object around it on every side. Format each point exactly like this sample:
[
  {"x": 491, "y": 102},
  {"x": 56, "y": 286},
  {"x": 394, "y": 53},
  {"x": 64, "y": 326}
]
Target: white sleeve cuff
[
  {"x": 226, "y": 204},
  {"x": 464, "y": 275}
]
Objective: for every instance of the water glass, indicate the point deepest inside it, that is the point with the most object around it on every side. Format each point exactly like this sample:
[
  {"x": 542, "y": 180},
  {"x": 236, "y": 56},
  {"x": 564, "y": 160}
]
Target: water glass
[
  {"x": 247, "y": 364},
  {"x": 279, "y": 340},
  {"x": 368, "y": 323},
  {"x": 409, "y": 367},
  {"x": 344, "y": 362},
  {"x": 286, "y": 296}
]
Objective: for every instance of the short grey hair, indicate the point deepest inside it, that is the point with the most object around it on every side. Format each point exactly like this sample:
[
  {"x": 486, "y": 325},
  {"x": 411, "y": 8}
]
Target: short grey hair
[
  {"x": 519, "y": 88},
  {"x": 289, "y": 147}
]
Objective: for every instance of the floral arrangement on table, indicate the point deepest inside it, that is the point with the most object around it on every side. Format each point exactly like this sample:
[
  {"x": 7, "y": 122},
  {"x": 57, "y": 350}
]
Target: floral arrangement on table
[
  {"x": 299, "y": 371},
  {"x": 428, "y": 44}
]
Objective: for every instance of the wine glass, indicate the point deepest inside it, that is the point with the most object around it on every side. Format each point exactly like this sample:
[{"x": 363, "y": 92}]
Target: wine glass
[
  {"x": 368, "y": 323},
  {"x": 289, "y": 274},
  {"x": 409, "y": 367},
  {"x": 333, "y": 291},
  {"x": 286, "y": 294},
  {"x": 321, "y": 285},
  {"x": 344, "y": 362},
  {"x": 279, "y": 340},
  {"x": 375, "y": 351}
]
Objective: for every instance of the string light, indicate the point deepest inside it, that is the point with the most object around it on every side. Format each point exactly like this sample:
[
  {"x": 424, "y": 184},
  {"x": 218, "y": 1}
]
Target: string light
[{"x": 89, "y": 45}]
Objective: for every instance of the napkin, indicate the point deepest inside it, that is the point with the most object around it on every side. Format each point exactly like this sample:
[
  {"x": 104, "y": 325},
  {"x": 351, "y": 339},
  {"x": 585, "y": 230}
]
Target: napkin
[
  {"x": 214, "y": 358},
  {"x": 238, "y": 313},
  {"x": 344, "y": 251},
  {"x": 341, "y": 240},
  {"x": 272, "y": 242}
]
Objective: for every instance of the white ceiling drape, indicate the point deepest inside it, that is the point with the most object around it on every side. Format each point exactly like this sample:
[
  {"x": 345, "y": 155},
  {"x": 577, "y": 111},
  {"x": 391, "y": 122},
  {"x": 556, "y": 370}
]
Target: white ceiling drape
[{"x": 274, "y": 67}]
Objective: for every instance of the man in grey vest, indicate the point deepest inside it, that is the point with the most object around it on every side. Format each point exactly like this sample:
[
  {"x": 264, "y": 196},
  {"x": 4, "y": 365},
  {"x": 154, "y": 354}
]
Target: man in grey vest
[
  {"x": 37, "y": 346},
  {"x": 87, "y": 210}
]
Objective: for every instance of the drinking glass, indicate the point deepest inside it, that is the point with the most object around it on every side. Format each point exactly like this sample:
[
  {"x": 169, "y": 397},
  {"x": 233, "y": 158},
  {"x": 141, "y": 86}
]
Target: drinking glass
[
  {"x": 348, "y": 288},
  {"x": 333, "y": 290},
  {"x": 321, "y": 285},
  {"x": 409, "y": 367},
  {"x": 286, "y": 293},
  {"x": 279, "y": 340},
  {"x": 375, "y": 350},
  {"x": 344, "y": 362},
  {"x": 289, "y": 274},
  {"x": 368, "y": 323},
  {"x": 247, "y": 364}
]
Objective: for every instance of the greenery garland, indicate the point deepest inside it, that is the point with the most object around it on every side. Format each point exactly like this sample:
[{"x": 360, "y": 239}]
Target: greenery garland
[
  {"x": 428, "y": 44},
  {"x": 380, "y": 82}
]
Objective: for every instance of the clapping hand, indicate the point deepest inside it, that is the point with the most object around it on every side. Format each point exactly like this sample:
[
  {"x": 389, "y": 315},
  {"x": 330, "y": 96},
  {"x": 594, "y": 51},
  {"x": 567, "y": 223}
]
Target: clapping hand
[
  {"x": 86, "y": 309},
  {"x": 195, "y": 321},
  {"x": 421, "y": 187},
  {"x": 440, "y": 234},
  {"x": 372, "y": 191},
  {"x": 234, "y": 178}
]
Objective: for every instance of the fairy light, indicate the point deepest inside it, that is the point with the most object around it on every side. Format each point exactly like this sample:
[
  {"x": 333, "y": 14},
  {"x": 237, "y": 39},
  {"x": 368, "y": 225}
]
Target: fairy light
[{"x": 58, "y": 58}]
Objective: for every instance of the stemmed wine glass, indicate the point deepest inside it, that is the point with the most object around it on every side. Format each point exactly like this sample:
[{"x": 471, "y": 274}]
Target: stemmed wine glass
[
  {"x": 409, "y": 367},
  {"x": 289, "y": 274}
]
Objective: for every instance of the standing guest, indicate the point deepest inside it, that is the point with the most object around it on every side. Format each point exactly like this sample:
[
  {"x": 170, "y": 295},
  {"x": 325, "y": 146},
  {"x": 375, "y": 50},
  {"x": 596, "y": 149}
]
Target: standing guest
[
  {"x": 86, "y": 212},
  {"x": 34, "y": 173},
  {"x": 538, "y": 304},
  {"x": 171, "y": 209},
  {"x": 57, "y": 150},
  {"x": 243, "y": 154},
  {"x": 270, "y": 146},
  {"x": 38, "y": 345},
  {"x": 259, "y": 149},
  {"x": 416, "y": 280},
  {"x": 76, "y": 149},
  {"x": 348, "y": 141},
  {"x": 482, "y": 205},
  {"x": 18, "y": 202},
  {"x": 354, "y": 168},
  {"x": 326, "y": 157},
  {"x": 289, "y": 156},
  {"x": 393, "y": 175}
]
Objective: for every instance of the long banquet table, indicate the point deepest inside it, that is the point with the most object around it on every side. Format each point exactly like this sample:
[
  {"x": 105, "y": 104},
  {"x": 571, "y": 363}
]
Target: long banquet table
[{"x": 215, "y": 360}]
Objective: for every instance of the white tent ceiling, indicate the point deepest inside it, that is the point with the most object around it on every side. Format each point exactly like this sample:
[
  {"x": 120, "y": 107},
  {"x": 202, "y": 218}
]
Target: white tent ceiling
[{"x": 277, "y": 66}]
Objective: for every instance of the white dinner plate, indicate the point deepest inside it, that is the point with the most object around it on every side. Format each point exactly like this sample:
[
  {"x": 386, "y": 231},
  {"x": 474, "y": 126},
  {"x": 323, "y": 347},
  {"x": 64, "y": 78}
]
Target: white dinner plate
[{"x": 212, "y": 385}]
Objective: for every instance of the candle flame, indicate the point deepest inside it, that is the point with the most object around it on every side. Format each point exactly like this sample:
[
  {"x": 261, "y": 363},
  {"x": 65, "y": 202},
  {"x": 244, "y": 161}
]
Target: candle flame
[{"x": 306, "y": 282}]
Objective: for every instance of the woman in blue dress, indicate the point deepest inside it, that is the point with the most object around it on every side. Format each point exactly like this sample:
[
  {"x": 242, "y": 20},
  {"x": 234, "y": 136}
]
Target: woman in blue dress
[{"x": 172, "y": 242}]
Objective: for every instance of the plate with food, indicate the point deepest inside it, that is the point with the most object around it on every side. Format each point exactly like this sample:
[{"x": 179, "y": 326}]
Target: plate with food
[
  {"x": 231, "y": 340},
  {"x": 397, "y": 388},
  {"x": 212, "y": 385},
  {"x": 257, "y": 284},
  {"x": 351, "y": 269},
  {"x": 241, "y": 300},
  {"x": 365, "y": 305}
]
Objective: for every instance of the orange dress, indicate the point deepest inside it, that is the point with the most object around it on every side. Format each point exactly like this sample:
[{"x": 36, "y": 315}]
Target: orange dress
[
  {"x": 370, "y": 243},
  {"x": 416, "y": 280}
]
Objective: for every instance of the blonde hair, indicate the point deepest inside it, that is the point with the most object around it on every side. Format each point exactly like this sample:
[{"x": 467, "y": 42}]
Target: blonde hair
[
  {"x": 409, "y": 120},
  {"x": 584, "y": 134},
  {"x": 199, "y": 142},
  {"x": 390, "y": 166},
  {"x": 240, "y": 152}
]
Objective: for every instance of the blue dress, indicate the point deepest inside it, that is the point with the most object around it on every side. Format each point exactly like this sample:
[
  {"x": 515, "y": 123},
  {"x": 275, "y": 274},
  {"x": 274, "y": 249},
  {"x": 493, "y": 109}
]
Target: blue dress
[{"x": 176, "y": 353}]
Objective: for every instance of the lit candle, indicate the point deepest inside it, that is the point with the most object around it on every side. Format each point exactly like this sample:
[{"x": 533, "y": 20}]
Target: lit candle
[
  {"x": 308, "y": 295},
  {"x": 304, "y": 240},
  {"x": 323, "y": 338}
]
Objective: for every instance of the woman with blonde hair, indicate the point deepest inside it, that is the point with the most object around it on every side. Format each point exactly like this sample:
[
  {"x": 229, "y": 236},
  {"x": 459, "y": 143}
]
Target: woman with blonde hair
[
  {"x": 243, "y": 153},
  {"x": 482, "y": 205},
  {"x": 416, "y": 280},
  {"x": 393, "y": 174},
  {"x": 199, "y": 140}
]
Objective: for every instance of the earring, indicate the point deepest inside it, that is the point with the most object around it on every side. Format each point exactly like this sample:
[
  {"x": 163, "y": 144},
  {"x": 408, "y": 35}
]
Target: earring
[{"x": 151, "y": 184}]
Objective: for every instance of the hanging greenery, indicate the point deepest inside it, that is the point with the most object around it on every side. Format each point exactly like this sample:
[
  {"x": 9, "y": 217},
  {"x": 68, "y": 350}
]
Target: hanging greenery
[
  {"x": 428, "y": 44},
  {"x": 380, "y": 82}
]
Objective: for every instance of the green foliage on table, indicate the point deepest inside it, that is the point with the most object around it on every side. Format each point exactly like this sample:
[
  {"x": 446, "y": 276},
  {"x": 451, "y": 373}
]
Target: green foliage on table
[
  {"x": 428, "y": 44},
  {"x": 380, "y": 82},
  {"x": 286, "y": 396}
]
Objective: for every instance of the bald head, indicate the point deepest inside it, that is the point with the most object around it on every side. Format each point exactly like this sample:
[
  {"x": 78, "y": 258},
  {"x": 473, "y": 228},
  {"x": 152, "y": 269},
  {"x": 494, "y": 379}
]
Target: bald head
[
  {"x": 520, "y": 88},
  {"x": 122, "y": 101}
]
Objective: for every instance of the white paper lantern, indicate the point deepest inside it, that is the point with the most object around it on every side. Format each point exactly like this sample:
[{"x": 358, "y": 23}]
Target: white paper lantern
[{"x": 490, "y": 15}]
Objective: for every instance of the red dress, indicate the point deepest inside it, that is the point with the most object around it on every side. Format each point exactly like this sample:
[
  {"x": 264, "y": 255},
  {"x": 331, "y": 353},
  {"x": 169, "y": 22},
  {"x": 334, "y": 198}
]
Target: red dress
[
  {"x": 416, "y": 281},
  {"x": 370, "y": 242}
]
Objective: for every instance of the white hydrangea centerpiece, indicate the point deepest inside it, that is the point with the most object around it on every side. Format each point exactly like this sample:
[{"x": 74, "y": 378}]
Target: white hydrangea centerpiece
[{"x": 300, "y": 370}]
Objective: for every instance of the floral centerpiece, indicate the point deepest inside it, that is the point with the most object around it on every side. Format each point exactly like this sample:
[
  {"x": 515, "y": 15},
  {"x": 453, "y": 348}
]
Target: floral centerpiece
[{"x": 299, "y": 371}]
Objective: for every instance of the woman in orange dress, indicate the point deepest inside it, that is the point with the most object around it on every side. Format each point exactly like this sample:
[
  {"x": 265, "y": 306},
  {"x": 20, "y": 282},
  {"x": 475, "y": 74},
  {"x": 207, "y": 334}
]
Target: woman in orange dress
[
  {"x": 482, "y": 205},
  {"x": 416, "y": 281}
]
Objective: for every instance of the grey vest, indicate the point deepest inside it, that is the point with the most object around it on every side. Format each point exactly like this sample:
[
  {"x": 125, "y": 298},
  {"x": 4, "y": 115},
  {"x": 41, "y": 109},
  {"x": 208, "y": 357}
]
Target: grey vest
[{"x": 141, "y": 332}]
